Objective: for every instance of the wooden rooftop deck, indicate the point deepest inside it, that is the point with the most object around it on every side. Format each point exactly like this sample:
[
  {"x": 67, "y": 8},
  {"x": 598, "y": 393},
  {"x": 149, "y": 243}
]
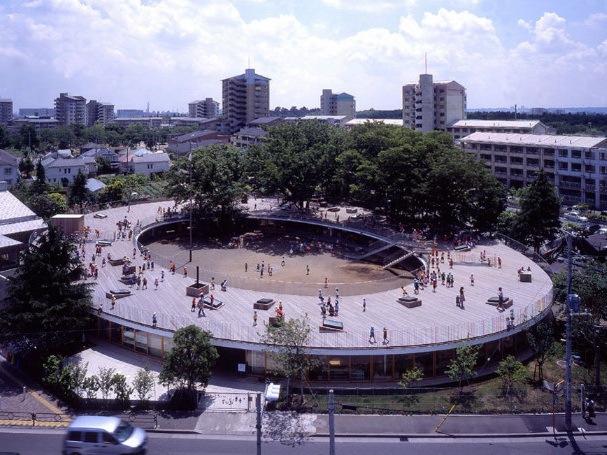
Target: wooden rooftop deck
[{"x": 437, "y": 322}]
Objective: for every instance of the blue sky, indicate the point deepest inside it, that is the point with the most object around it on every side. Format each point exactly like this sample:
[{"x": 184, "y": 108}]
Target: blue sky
[{"x": 531, "y": 53}]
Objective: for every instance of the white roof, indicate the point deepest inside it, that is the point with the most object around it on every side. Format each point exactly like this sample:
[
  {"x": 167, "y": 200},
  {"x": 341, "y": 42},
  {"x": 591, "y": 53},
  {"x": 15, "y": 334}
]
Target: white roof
[
  {"x": 387, "y": 121},
  {"x": 13, "y": 210},
  {"x": 540, "y": 140},
  {"x": 495, "y": 124}
]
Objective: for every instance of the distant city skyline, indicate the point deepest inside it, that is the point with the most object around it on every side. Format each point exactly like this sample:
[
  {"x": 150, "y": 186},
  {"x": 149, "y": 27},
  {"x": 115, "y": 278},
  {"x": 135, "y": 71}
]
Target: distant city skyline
[{"x": 542, "y": 53}]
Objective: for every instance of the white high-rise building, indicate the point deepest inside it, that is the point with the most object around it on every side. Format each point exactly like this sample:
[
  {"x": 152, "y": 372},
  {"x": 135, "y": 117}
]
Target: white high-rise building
[
  {"x": 429, "y": 105},
  {"x": 206, "y": 108},
  {"x": 99, "y": 112},
  {"x": 70, "y": 109}
]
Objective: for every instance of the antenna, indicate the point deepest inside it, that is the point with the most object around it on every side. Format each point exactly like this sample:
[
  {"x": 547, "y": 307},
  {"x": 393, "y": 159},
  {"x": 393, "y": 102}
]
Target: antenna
[
  {"x": 249, "y": 61},
  {"x": 426, "y": 62}
]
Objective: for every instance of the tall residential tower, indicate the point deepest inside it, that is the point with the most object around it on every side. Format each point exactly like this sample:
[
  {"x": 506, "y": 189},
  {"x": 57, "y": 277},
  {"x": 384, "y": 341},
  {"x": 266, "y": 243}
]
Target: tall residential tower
[
  {"x": 245, "y": 98},
  {"x": 337, "y": 104},
  {"x": 429, "y": 105},
  {"x": 70, "y": 109}
]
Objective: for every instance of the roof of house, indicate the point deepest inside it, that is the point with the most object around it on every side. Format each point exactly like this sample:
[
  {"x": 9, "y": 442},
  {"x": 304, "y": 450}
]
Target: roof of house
[
  {"x": 16, "y": 217},
  {"x": 252, "y": 131},
  {"x": 95, "y": 185},
  {"x": 7, "y": 158},
  {"x": 159, "y": 157},
  {"x": 195, "y": 135},
  {"x": 67, "y": 162},
  {"x": 386, "y": 121},
  {"x": 543, "y": 140}
]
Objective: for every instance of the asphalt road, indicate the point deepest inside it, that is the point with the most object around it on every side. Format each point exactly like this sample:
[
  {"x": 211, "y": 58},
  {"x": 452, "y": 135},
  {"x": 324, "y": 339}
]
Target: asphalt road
[{"x": 34, "y": 442}]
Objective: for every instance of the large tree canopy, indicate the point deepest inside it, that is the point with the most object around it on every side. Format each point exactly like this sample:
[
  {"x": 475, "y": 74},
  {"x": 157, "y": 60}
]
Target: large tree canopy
[
  {"x": 45, "y": 306},
  {"x": 297, "y": 159},
  {"x": 217, "y": 180}
]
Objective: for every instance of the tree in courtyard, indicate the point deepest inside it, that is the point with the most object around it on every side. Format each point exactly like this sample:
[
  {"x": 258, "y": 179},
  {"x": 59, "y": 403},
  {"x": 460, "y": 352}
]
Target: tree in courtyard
[
  {"x": 287, "y": 343},
  {"x": 512, "y": 372},
  {"x": 40, "y": 185},
  {"x": 45, "y": 306},
  {"x": 217, "y": 180},
  {"x": 296, "y": 160},
  {"x": 541, "y": 340},
  {"x": 47, "y": 205},
  {"x": 462, "y": 367},
  {"x": 538, "y": 221},
  {"x": 188, "y": 364},
  {"x": 410, "y": 377},
  {"x": 143, "y": 383}
]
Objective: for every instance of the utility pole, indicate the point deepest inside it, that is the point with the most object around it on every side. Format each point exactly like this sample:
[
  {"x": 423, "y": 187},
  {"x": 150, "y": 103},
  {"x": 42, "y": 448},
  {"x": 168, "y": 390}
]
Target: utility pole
[
  {"x": 331, "y": 423},
  {"x": 258, "y": 425}
]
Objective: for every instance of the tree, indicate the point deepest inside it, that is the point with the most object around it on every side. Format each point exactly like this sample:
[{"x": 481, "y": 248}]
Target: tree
[
  {"x": 106, "y": 381},
  {"x": 217, "y": 180},
  {"x": 588, "y": 331},
  {"x": 541, "y": 341},
  {"x": 47, "y": 205},
  {"x": 122, "y": 390},
  {"x": 79, "y": 194},
  {"x": 287, "y": 344},
  {"x": 296, "y": 160},
  {"x": 189, "y": 363},
  {"x": 143, "y": 383},
  {"x": 462, "y": 367},
  {"x": 45, "y": 307},
  {"x": 26, "y": 167},
  {"x": 40, "y": 185},
  {"x": 538, "y": 221},
  {"x": 67, "y": 379},
  {"x": 409, "y": 377},
  {"x": 512, "y": 372}
]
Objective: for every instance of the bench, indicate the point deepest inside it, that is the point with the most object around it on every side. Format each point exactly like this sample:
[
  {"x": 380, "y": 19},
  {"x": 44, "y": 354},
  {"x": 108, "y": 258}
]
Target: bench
[
  {"x": 263, "y": 304},
  {"x": 524, "y": 277},
  {"x": 118, "y": 293},
  {"x": 494, "y": 301},
  {"x": 329, "y": 325},
  {"x": 216, "y": 303},
  {"x": 103, "y": 243},
  {"x": 459, "y": 248},
  {"x": 409, "y": 302}
]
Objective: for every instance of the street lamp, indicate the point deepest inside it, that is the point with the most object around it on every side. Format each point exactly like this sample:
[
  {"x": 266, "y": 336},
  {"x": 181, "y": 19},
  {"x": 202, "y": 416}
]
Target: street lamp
[{"x": 190, "y": 201}]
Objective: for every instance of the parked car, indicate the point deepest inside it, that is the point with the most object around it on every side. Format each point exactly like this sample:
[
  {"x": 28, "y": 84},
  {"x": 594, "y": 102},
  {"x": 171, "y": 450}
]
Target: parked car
[{"x": 103, "y": 435}]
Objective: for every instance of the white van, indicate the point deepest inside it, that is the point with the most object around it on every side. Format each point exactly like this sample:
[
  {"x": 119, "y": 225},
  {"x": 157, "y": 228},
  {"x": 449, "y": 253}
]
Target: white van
[{"x": 91, "y": 435}]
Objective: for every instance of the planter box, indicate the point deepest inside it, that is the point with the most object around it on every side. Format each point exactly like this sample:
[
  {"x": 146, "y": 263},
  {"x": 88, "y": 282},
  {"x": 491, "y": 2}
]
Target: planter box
[
  {"x": 194, "y": 289},
  {"x": 263, "y": 304}
]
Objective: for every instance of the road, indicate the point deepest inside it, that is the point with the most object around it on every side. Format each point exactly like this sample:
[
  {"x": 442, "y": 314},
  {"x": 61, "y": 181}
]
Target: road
[{"x": 36, "y": 442}]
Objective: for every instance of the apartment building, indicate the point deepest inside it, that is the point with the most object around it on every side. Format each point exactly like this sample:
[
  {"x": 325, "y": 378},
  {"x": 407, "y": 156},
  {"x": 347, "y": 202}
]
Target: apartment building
[
  {"x": 99, "y": 112},
  {"x": 6, "y": 111},
  {"x": 429, "y": 105},
  {"x": 337, "y": 104},
  {"x": 206, "y": 108},
  {"x": 576, "y": 164},
  {"x": 70, "y": 109},
  {"x": 245, "y": 98},
  {"x": 462, "y": 128},
  {"x": 9, "y": 168}
]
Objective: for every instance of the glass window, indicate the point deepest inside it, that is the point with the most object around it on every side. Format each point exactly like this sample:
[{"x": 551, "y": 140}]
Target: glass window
[
  {"x": 74, "y": 436},
  {"x": 90, "y": 436}
]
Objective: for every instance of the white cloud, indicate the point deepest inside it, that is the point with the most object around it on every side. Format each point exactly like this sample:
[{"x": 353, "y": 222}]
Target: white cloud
[{"x": 170, "y": 52}]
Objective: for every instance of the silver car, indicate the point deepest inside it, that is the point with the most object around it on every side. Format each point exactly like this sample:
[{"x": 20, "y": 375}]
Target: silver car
[{"x": 103, "y": 435}]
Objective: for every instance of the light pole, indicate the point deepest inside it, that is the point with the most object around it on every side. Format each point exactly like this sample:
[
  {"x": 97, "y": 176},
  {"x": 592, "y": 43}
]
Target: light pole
[
  {"x": 573, "y": 305},
  {"x": 190, "y": 201}
]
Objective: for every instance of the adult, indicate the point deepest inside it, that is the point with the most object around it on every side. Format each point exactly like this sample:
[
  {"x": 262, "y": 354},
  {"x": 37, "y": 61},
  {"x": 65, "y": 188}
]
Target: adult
[{"x": 500, "y": 300}]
